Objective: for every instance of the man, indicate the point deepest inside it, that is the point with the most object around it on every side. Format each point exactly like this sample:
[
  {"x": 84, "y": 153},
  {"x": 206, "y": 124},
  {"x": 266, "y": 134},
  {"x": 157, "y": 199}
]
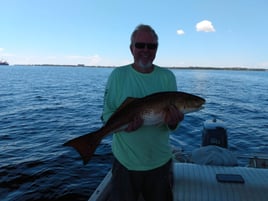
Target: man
[{"x": 142, "y": 153}]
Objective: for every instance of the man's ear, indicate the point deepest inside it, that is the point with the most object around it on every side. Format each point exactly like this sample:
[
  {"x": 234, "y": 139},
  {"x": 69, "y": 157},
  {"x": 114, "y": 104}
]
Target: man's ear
[{"x": 131, "y": 48}]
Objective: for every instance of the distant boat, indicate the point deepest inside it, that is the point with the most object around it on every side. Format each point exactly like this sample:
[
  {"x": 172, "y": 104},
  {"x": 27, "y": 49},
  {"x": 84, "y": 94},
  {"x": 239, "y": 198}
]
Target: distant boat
[{"x": 4, "y": 63}]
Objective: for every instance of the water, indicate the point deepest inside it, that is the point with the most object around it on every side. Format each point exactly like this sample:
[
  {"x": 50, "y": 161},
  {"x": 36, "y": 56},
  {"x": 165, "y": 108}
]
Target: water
[{"x": 43, "y": 107}]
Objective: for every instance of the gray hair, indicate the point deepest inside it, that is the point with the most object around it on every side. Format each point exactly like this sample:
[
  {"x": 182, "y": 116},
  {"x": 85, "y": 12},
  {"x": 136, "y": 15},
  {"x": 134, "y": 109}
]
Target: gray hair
[{"x": 143, "y": 27}]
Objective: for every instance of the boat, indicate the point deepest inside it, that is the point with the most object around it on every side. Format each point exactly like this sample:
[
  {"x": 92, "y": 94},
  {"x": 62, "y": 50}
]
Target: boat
[
  {"x": 4, "y": 63},
  {"x": 216, "y": 176}
]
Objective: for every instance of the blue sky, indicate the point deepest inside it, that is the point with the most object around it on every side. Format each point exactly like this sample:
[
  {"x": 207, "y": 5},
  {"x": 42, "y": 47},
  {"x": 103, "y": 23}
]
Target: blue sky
[{"x": 218, "y": 33}]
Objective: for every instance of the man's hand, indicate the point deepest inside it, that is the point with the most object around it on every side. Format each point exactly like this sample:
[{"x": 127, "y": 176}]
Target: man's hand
[
  {"x": 135, "y": 124},
  {"x": 173, "y": 116}
]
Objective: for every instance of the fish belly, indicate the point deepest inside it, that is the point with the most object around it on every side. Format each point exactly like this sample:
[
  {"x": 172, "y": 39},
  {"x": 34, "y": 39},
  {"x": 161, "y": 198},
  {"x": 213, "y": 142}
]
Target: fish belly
[{"x": 152, "y": 118}]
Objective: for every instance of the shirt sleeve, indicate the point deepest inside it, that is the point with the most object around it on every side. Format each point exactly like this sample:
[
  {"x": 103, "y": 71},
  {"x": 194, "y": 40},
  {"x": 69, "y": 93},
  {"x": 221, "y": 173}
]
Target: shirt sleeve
[{"x": 109, "y": 106}]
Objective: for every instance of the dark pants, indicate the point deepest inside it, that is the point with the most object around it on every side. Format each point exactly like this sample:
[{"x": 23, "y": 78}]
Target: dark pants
[{"x": 153, "y": 185}]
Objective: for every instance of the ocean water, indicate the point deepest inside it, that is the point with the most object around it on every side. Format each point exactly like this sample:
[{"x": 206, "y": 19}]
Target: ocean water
[{"x": 43, "y": 107}]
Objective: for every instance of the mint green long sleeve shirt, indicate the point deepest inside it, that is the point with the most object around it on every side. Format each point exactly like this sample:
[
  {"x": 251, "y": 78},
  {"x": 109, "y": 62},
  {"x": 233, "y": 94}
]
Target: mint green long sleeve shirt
[{"x": 147, "y": 147}]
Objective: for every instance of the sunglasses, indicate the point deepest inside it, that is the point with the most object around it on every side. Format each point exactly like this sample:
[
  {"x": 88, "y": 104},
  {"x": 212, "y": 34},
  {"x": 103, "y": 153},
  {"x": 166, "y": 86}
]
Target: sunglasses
[{"x": 150, "y": 46}]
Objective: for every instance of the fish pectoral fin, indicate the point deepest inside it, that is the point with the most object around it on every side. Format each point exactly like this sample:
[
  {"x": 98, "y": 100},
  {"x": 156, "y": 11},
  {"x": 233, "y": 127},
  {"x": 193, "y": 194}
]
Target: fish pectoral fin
[{"x": 126, "y": 102}]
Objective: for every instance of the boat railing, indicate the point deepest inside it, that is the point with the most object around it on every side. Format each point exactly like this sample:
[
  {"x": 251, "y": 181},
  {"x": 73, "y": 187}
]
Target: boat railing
[{"x": 255, "y": 160}]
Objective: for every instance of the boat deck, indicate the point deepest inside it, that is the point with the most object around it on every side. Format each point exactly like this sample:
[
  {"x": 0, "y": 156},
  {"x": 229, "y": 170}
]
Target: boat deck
[{"x": 194, "y": 182}]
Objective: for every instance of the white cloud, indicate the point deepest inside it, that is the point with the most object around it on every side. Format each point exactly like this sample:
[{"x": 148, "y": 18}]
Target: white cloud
[
  {"x": 1, "y": 49},
  {"x": 180, "y": 32},
  {"x": 205, "y": 26}
]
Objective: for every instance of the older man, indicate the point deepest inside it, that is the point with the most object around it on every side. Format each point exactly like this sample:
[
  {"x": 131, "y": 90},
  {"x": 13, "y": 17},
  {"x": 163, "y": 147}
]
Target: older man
[{"x": 142, "y": 153}]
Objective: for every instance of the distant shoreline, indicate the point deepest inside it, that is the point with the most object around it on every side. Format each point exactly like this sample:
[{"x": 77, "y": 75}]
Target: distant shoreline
[{"x": 173, "y": 67}]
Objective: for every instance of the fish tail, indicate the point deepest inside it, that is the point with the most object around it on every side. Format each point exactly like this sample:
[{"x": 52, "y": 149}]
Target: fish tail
[{"x": 85, "y": 145}]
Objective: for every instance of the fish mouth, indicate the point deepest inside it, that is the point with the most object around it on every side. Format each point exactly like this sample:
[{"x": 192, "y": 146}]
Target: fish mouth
[{"x": 190, "y": 110}]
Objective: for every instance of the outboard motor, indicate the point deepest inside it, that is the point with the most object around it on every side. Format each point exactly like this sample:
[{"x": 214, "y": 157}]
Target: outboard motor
[
  {"x": 214, "y": 133},
  {"x": 214, "y": 146}
]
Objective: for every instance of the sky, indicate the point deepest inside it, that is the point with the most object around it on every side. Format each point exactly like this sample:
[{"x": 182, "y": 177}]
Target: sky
[{"x": 205, "y": 33}]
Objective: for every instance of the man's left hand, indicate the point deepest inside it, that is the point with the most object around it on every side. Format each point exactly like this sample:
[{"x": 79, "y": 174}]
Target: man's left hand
[{"x": 173, "y": 116}]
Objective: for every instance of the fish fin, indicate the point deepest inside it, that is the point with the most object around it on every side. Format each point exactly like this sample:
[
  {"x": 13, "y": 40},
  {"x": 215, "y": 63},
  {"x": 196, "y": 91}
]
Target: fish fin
[
  {"x": 85, "y": 145},
  {"x": 126, "y": 102}
]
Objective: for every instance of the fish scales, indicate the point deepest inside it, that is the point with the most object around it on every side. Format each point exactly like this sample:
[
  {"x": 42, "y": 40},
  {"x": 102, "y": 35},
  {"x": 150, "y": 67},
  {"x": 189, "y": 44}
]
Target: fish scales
[{"x": 150, "y": 108}]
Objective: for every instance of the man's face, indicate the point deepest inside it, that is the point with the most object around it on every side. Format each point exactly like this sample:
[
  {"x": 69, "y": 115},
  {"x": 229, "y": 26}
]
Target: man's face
[{"x": 143, "y": 49}]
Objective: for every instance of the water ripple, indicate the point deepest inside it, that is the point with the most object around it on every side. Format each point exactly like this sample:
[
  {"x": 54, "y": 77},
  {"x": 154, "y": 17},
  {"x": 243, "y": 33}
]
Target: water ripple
[{"x": 42, "y": 107}]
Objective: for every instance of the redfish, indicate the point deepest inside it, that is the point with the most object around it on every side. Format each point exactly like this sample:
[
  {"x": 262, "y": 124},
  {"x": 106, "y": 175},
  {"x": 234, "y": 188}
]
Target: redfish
[{"x": 150, "y": 108}]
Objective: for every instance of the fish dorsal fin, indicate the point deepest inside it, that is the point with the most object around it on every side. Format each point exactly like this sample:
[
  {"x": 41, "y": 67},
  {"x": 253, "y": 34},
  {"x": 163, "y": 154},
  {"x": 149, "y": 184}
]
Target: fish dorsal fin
[
  {"x": 123, "y": 105},
  {"x": 126, "y": 102}
]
